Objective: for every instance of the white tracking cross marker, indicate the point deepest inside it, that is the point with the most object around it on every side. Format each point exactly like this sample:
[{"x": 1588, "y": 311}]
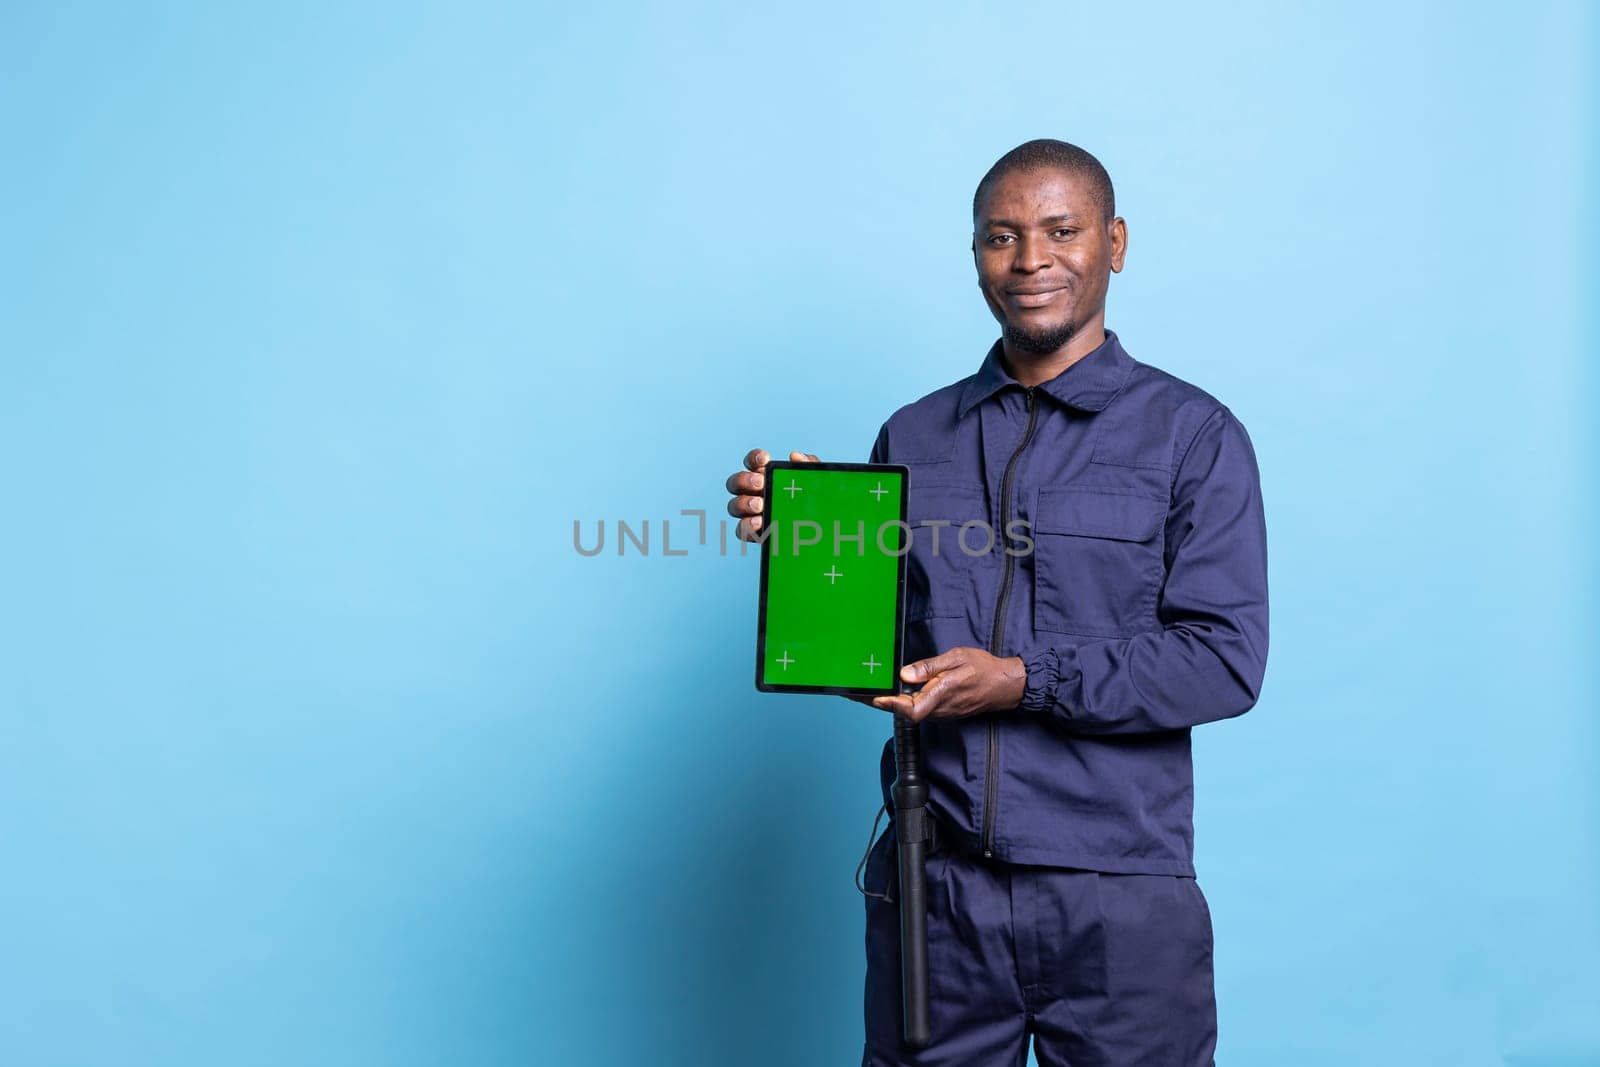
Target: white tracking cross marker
[
  {"x": 878, "y": 492},
  {"x": 792, "y": 489},
  {"x": 831, "y": 573},
  {"x": 871, "y": 663},
  {"x": 785, "y": 660}
]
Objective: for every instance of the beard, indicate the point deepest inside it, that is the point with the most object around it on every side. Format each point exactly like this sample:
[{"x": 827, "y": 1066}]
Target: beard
[{"x": 1039, "y": 342}]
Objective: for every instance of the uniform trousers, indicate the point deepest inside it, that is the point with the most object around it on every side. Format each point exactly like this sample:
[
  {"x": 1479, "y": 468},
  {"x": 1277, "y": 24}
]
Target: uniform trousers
[{"x": 1096, "y": 969}]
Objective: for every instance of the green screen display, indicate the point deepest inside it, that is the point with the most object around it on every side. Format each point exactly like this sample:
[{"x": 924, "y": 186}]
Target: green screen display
[{"x": 832, "y": 571}]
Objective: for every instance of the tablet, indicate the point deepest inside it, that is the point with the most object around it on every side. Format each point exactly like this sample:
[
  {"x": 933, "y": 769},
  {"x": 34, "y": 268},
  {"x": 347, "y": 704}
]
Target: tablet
[{"x": 833, "y": 578}]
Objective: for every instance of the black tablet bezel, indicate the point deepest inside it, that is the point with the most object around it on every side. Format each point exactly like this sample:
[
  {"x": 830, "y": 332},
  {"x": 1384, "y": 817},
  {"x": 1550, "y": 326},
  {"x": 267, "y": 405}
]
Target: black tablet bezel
[{"x": 900, "y": 585}]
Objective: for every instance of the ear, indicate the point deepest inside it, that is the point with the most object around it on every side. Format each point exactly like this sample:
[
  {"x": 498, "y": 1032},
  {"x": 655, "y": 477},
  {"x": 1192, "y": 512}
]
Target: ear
[{"x": 1119, "y": 244}]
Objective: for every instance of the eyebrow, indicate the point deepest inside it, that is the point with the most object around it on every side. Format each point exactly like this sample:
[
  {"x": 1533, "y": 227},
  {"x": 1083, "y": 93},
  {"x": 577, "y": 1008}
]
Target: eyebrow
[{"x": 988, "y": 223}]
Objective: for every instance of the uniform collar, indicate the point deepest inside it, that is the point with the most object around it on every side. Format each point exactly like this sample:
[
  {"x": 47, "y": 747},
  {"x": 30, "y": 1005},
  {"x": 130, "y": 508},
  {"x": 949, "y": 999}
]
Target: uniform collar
[{"x": 1089, "y": 384}]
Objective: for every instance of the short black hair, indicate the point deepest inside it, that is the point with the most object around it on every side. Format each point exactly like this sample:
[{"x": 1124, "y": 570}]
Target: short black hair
[{"x": 1046, "y": 152}]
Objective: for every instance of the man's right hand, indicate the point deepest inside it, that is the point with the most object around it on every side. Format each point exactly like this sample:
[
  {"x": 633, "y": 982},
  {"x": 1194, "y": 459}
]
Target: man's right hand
[{"x": 746, "y": 487}]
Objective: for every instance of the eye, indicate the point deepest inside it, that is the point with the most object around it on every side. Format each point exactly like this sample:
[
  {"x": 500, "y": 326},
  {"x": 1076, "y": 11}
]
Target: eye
[
  {"x": 1065, "y": 232},
  {"x": 999, "y": 237}
]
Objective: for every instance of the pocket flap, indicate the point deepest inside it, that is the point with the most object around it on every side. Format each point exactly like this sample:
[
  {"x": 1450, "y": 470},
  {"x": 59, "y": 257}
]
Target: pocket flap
[
  {"x": 1098, "y": 511},
  {"x": 956, "y": 503}
]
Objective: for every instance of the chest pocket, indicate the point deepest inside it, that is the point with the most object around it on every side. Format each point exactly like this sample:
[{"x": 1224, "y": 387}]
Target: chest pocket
[
  {"x": 937, "y": 569},
  {"x": 1097, "y": 560}
]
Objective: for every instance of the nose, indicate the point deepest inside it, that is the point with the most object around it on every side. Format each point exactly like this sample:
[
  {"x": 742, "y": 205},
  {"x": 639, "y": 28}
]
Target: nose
[{"x": 1032, "y": 255}]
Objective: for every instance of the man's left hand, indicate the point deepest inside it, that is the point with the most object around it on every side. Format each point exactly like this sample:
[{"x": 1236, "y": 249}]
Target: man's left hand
[{"x": 962, "y": 681}]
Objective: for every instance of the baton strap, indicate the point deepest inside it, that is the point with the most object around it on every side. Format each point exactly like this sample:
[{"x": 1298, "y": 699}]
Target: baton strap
[{"x": 928, "y": 831}]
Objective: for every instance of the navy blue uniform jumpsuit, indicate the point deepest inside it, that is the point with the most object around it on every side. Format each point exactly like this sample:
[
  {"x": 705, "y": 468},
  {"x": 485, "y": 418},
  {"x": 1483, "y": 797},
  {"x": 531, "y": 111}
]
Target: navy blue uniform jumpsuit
[{"x": 1128, "y": 569}]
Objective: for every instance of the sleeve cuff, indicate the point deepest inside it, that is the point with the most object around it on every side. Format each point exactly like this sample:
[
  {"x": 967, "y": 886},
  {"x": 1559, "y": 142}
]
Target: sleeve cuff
[
  {"x": 1055, "y": 683},
  {"x": 1044, "y": 675}
]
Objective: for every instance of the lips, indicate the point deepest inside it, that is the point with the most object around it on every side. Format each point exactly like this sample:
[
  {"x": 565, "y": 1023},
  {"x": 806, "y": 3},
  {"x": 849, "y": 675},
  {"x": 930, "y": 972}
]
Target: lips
[{"x": 1033, "y": 298}]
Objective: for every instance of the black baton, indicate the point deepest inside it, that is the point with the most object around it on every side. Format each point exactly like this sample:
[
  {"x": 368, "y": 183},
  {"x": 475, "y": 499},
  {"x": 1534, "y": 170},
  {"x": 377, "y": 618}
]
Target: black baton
[{"x": 913, "y": 833}]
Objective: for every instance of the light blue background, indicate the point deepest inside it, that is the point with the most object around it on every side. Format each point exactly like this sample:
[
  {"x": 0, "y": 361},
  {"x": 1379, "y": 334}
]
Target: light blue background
[{"x": 319, "y": 743}]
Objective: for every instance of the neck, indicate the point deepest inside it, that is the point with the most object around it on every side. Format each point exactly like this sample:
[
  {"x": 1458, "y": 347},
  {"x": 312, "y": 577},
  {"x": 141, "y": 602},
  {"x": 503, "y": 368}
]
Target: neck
[{"x": 1032, "y": 368}]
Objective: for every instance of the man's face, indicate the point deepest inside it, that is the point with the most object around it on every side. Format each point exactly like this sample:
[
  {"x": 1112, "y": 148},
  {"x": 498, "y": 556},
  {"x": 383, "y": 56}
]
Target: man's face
[{"x": 1045, "y": 254}]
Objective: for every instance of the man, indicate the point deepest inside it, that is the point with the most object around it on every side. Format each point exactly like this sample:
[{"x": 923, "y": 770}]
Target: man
[{"x": 1124, "y": 601}]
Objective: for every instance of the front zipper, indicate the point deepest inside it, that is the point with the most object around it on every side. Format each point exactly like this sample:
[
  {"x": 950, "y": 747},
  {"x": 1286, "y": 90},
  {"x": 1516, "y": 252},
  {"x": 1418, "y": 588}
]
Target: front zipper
[{"x": 999, "y": 634}]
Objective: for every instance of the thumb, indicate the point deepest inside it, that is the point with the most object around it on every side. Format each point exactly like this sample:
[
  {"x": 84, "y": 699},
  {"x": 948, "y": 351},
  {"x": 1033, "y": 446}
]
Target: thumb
[
  {"x": 803, "y": 457},
  {"x": 924, "y": 669}
]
